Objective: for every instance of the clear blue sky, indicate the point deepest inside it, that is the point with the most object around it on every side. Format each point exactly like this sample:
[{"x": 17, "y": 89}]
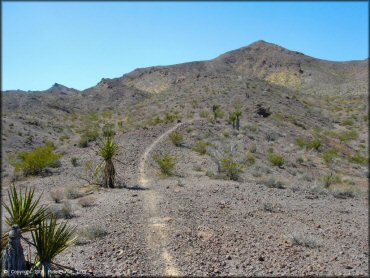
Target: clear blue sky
[{"x": 77, "y": 44}]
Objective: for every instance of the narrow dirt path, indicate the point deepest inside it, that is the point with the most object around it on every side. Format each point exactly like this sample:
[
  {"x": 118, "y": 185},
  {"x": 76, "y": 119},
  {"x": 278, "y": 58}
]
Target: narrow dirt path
[{"x": 157, "y": 222}]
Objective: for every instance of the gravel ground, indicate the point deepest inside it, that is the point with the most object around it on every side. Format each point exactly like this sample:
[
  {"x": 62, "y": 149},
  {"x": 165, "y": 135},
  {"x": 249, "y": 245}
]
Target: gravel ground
[{"x": 206, "y": 227}]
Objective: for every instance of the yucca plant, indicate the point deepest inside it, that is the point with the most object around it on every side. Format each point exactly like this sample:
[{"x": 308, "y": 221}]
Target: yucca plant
[
  {"x": 107, "y": 150},
  {"x": 232, "y": 118},
  {"x": 23, "y": 211},
  {"x": 50, "y": 239},
  {"x": 237, "y": 113}
]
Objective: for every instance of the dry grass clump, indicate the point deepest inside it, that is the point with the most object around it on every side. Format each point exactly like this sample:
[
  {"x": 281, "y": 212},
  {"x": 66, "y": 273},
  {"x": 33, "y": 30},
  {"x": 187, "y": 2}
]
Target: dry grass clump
[
  {"x": 343, "y": 191},
  {"x": 87, "y": 201},
  {"x": 273, "y": 183},
  {"x": 64, "y": 211},
  {"x": 71, "y": 192},
  {"x": 93, "y": 232},
  {"x": 304, "y": 240},
  {"x": 57, "y": 195}
]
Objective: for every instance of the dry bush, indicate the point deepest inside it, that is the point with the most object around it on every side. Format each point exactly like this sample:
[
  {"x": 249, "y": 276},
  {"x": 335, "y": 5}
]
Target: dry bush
[
  {"x": 93, "y": 232},
  {"x": 57, "y": 195},
  {"x": 64, "y": 211},
  {"x": 72, "y": 192},
  {"x": 304, "y": 240},
  {"x": 87, "y": 201}
]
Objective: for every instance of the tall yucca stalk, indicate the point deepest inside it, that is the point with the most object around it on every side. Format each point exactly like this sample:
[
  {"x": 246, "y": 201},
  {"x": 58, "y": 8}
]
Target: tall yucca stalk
[
  {"x": 50, "y": 239},
  {"x": 107, "y": 150},
  {"x": 23, "y": 211}
]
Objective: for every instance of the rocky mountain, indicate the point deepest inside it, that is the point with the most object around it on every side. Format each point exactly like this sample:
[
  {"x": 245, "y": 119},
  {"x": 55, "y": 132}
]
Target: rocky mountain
[{"x": 261, "y": 61}]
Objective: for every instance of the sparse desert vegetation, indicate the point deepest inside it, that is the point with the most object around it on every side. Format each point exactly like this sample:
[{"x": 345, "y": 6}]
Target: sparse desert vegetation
[{"x": 226, "y": 168}]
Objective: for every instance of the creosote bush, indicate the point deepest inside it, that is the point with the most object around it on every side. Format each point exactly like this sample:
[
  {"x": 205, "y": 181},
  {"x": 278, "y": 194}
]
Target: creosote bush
[
  {"x": 33, "y": 162},
  {"x": 309, "y": 144},
  {"x": 177, "y": 138},
  {"x": 231, "y": 168},
  {"x": 276, "y": 159},
  {"x": 329, "y": 156},
  {"x": 89, "y": 135},
  {"x": 359, "y": 159},
  {"x": 331, "y": 179},
  {"x": 200, "y": 147},
  {"x": 166, "y": 163}
]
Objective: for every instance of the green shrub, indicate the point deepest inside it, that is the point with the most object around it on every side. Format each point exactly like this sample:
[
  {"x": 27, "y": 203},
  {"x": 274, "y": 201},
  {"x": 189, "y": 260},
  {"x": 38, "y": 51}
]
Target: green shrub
[
  {"x": 359, "y": 159},
  {"x": 210, "y": 174},
  {"x": 74, "y": 161},
  {"x": 253, "y": 148},
  {"x": 108, "y": 128},
  {"x": 63, "y": 137},
  {"x": 314, "y": 144},
  {"x": 107, "y": 114},
  {"x": 329, "y": 155},
  {"x": 331, "y": 179},
  {"x": 166, "y": 163},
  {"x": 348, "y": 122},
  {"x": 154, "y": 121},
  {"x": 88, "y": 135},
  {"x": 204, "y": 114},
  {"x": 348, "y": 135},
  {"x": 200, "y": 147},
  {"x": 217, "y": 112},
  {"x": 276, "y": 159},
  {"x": 170, "y": 117},
  {"x": 189, "y": 129},
  {"x": 299, "y": 159},
  {"x": 177, "y": 138},
  {"x": 250, "y": 159},
  {"x": 33, "y": 162},
  {"x": 231, "y": 168}
]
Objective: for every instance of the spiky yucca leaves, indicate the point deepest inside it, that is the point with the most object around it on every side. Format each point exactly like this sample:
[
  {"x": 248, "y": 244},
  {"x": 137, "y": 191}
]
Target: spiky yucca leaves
[
  {"x": 23, "y": 211},
  {"x": 50, "y": 239},
  {"x": 107, "y": 150}
]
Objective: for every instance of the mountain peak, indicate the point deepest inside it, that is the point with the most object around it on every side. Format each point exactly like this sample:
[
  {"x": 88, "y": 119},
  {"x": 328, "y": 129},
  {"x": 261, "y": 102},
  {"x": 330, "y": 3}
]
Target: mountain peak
[{"x": 59, "y": 88}]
